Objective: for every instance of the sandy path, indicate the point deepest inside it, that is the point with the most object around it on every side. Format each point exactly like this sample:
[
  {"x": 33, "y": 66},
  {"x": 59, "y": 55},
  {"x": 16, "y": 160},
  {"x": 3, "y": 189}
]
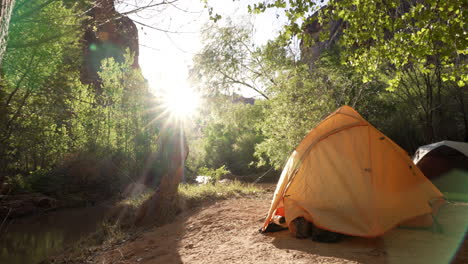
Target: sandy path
[{"x": 226, "y": 232}]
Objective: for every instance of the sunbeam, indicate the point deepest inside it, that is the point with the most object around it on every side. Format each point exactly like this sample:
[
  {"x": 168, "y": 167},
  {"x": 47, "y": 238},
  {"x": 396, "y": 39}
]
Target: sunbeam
[{"x": 181, "y": 103}]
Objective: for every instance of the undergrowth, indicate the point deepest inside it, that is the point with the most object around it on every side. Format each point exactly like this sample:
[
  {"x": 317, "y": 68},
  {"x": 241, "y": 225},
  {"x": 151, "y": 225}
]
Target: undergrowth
[
  {"x": 193, "y": 194},
  {"x": 456, "y": 197}
]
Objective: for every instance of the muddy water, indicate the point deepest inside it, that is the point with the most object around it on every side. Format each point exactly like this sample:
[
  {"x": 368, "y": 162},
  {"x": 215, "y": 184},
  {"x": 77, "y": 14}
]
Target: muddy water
[{"x": 30, "y": 240}]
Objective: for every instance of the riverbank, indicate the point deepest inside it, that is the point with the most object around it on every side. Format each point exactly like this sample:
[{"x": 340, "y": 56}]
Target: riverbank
[
  {"x": 79, "y": 231},
  {"x": 34, "y": 238},
  {"x": 34, "y": 226},
  {"x": 226, "y": 231}
]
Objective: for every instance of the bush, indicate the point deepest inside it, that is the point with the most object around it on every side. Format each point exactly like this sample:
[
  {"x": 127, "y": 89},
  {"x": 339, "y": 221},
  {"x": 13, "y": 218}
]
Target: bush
[
  {"x": 41, "y": 180},
  {"x": 17, "y": 184},
  {"x": 214, "y": 174},
  {"x": 193, "y": 195},
  {"x": 228, "y": 136}
]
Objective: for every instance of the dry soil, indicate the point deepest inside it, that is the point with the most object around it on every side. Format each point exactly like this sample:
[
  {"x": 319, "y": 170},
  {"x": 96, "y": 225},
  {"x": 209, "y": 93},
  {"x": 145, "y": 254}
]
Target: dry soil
[{"x": 227, "y": 232}]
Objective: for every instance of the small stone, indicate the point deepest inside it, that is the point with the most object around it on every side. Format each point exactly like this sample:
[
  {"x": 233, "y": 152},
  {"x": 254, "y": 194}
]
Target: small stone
[{"x": 189, "y": 246}]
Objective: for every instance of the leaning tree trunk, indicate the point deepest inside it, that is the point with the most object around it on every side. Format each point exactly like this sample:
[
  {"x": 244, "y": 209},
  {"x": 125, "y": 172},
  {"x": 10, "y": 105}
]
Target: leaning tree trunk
[
  {"x": 6, "y": 9},
  {"x": 162, "y": 205},
  {"x": 5, "y": 15}
]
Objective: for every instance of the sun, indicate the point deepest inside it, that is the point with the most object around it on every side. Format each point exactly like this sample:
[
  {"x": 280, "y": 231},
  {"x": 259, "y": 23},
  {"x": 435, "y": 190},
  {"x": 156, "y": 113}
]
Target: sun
[{"x": 181, "y": 102}]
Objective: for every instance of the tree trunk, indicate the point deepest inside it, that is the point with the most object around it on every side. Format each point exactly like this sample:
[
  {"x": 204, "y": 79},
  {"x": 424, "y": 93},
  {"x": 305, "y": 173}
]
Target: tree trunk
[
  {"x": 429, "y": 128},
  {"x": 173, "y": 152},
  {"x": 5, "y": 14}
]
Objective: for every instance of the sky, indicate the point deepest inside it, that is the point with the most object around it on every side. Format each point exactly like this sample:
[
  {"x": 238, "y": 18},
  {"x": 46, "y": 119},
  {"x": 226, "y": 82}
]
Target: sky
[{"x": 166, "y": 54}]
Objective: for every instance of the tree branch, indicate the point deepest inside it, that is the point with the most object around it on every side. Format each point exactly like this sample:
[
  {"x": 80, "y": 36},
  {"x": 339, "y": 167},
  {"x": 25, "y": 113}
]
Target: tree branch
[
  {"x": 139, "y": 9},
  {"x": 243, "y": 83},
  {"x": 160, "y": 29},
  {"x": 18, "y": 84}
]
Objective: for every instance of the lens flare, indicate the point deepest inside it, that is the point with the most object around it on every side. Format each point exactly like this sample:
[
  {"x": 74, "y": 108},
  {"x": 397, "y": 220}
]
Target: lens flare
[{"x": 181, "y": 103}]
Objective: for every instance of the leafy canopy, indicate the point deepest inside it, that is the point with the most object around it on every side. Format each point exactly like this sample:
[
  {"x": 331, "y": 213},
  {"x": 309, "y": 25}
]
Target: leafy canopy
[{"x": 390, "y": 33}]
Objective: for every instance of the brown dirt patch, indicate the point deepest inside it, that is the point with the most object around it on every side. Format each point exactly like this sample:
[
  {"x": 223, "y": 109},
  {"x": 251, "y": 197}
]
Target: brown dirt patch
[{"x": 227, "y": 232}]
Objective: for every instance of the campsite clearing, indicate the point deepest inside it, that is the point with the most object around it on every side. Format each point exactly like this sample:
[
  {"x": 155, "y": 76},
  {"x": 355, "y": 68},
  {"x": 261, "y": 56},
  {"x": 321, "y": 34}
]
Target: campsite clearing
[{"x": 227, "y": 232}]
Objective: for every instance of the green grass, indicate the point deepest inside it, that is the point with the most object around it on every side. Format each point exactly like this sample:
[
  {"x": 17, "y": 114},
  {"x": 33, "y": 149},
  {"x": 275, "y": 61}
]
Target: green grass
[
  {"x": 194, "y": 193},
  {"x": 137, "y": 200},
  {"x": 452, "y": 196},
  {"x": 198, "y": 193}
]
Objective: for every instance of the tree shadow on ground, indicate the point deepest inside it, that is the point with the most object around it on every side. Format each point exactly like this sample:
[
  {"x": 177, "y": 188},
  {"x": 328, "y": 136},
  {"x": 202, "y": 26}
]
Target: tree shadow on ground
[
  {"x": 400, "y": 245},
  {"x": 157, "y": 243},
  {"x": 357, "y": 249}
]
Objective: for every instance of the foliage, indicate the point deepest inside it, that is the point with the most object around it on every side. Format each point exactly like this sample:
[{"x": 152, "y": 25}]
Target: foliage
[
  {"x": 228, "y": 134},
  {"x": 16, "y": 184},
  {"x": 194, "y": 194},
  {"x": 402, "y": 67},
  {"x": 50, "y": 119},
  {"x": 136, "y": 201},
  {"x": 301, "y": 93},
  {"x": 401, "y": 64},
  {"x": 214, "y": 174},
  {"x": 119, "y": 116},
  {"x": 402, "y": 33},
  {"x": 39, "y": 78},
  {"x": 228, "y": 62},
  {"x": 456, "y": 197},
  {"x": 41, "y": 181},
  {"x": 393, "y": 34},
  {"x": 295, "y": 109}
]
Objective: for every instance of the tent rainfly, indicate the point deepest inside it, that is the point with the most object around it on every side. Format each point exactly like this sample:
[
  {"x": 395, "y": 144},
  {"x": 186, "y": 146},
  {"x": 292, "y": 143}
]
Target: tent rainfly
[
  {"x": 347, "y": 177},
  {"x": 422, "y": 151},
  {"x": 445, "y": 163}
]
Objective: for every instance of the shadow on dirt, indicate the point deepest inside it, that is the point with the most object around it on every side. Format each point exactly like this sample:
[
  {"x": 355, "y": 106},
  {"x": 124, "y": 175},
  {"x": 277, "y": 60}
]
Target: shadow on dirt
[
  {"x": 153, "y": 244},
  {"x": 399, "y": 245},
  {"x": 361, "y": 250}
]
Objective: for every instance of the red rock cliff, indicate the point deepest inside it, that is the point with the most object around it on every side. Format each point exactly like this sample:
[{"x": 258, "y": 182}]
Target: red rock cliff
[{"x": 108, "y": 34}]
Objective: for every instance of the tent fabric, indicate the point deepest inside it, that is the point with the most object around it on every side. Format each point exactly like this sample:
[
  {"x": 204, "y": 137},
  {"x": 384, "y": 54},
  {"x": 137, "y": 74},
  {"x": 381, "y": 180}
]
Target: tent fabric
[
  {"x": 347, "y": 177},
  {"x": 446, "y": 167},
  {"x": 423, "y": 150}
]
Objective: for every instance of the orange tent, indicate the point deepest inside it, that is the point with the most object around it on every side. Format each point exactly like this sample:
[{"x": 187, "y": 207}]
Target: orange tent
[{"x": 347, "y": 177}]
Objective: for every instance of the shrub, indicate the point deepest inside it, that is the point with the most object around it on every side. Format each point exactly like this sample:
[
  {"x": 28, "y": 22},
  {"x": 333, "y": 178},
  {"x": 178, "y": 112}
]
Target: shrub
[
  {"x": 214, "y": 174},
  {"x": 41, "y": 180},
  {"x": 17, "y": 184},
  {"x": 193, "y": 195}
]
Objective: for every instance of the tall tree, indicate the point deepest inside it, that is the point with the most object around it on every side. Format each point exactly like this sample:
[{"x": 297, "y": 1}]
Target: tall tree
[
  {"x": 396, "y": 33},
  {"x": 229, "y": 61},
  {"x": 420, "y": 43},
  {"x": 6, "y": 8}
]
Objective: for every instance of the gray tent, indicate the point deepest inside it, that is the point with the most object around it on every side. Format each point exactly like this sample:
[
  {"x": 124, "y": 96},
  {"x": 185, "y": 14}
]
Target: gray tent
[{"x": 445, "y": 163}]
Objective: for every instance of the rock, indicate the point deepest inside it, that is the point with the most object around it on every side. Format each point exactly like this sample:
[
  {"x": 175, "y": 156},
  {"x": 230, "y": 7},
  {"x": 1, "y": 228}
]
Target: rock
[
  {"x": 200, "y": 179},
  {"x": 311, "y": 52},
  {"x": 108, "y": 34}
]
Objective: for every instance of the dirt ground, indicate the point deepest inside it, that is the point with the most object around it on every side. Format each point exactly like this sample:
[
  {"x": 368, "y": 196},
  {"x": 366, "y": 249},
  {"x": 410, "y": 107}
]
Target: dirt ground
[{"x": 227, "y": 232}]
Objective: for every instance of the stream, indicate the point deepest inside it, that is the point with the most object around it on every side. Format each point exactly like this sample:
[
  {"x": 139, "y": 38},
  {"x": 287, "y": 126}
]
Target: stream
[{"x": 32, "y": 239}]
